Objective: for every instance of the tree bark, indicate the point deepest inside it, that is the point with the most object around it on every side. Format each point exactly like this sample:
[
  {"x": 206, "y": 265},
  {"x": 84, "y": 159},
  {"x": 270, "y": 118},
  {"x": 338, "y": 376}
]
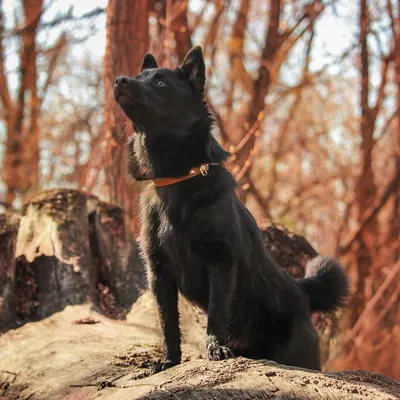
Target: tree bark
[
  {"x": 8, "y": 237},
  {"x": 93, "y": 357},
  {"x": 240, "y": 378},
  {"x": 127, "y": 41},
  {"x": 395, "y": 223},
  {"x": 289, "y": 250},
  {"x": 182, "y": 33}
]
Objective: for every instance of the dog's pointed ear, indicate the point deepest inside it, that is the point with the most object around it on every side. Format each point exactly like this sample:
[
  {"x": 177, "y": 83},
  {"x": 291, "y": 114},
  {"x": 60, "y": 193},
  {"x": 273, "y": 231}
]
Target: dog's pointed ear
[
  {"x": 194, "y": 68},
  {"x": 149, "y": 62}
]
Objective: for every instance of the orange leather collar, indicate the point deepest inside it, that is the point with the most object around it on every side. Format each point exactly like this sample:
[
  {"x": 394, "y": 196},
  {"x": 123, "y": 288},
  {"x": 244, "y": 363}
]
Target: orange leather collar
[{"x": 202, "y": 169}]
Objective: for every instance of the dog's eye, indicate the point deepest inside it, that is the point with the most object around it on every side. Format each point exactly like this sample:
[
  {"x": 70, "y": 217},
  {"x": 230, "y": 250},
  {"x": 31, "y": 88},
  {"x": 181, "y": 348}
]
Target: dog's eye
[{"x": 161, "y": 83}]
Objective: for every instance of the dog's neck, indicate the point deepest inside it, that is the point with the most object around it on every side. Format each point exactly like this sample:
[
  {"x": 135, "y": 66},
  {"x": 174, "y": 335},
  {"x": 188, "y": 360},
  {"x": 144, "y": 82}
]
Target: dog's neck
[
  {"x": 169, "y": 156},
  {"x": 166, "y": 155}
]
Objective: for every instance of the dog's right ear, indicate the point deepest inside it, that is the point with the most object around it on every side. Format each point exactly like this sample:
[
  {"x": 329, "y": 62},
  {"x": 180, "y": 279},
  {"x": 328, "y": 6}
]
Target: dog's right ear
[
  {"x": 194, "y": 68},
  {"x": 149, "y": 62}
]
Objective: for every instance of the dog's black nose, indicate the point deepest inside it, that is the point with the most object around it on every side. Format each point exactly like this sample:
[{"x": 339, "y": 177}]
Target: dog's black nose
[{"x": 121, "y": 80}]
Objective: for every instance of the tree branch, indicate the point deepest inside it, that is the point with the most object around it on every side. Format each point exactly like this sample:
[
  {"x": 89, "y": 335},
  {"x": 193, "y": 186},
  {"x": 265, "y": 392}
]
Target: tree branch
[
  {"x": 352, "y": 334},
  {"x": 54, "y": 55},
  {"x": 284, "y": 129},
  {"x": 381, "y": 91},
  {"x": 371, "y": 212},
  {"x": 261, "y": 200},
  {"x": 59, "y": 19}
]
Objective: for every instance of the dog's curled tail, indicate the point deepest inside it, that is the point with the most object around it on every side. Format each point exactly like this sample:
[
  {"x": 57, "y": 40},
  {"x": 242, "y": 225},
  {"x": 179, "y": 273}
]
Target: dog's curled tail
[{"x": 326, "y": 284}]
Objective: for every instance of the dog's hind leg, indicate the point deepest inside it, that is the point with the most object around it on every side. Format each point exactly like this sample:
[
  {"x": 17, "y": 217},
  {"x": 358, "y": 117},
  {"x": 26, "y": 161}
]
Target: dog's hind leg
[{"x": 302, "y": 350}]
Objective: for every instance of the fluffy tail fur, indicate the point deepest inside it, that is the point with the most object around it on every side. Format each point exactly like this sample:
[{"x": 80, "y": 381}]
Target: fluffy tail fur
[{"x": 326, "y": 284}]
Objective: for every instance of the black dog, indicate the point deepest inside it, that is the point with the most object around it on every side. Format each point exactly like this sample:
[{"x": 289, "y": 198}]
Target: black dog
[{"x": 197, "y": 238}]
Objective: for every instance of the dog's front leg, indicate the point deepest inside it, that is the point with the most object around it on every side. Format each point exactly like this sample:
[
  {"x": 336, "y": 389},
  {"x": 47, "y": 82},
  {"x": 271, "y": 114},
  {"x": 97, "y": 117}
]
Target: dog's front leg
[
  {"x": 165, "y": 292},
  {"x": 221, "y": 284}
]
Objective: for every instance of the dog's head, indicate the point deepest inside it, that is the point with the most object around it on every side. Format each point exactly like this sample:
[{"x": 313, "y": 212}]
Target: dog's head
[{"x": 160, "y": 97}]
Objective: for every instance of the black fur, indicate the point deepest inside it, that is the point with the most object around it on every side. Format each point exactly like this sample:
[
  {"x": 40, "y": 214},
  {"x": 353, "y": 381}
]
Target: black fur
[
  {"x": 198, "y": 239},
  {"x": 325, "y": 283}
]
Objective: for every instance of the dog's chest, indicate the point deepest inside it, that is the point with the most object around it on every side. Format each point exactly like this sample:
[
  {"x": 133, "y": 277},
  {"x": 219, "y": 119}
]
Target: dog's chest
[
  {"x": 171, "y": 236},
  {"x": 188, "y": 268}
]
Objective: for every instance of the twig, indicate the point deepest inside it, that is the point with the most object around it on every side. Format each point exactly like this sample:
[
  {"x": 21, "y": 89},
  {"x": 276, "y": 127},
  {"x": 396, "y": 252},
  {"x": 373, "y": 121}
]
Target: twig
[
  {"x": 372, "y": 303},
  {"x": 249, "y": 134},
  {"x": 393, "y": 298},
  {"x": 261, "y": 200},
  {"x": 387, "y": 124},
  {"x": 365, "y": 314},
  {"x": 370, "y": 213},
  {"x": 14, "y": 374},
  {"x": 244, "y": 169},
  {"x": 199, "y": 16}
]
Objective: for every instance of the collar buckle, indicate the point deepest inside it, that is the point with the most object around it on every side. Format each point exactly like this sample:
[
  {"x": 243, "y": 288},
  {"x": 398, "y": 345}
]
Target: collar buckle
[{"x": 204, "y": 169}]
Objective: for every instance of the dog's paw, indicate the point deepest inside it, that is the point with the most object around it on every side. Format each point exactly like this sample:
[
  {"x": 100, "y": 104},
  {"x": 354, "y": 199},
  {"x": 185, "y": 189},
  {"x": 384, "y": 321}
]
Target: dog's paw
[
  {"x": 216, "y": 352},
  {"x": 162, "y": 366}
]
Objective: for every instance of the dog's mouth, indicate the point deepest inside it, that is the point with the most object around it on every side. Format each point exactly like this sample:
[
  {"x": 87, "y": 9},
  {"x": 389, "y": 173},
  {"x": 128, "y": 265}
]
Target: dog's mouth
[{"x": 125, "y": 99}]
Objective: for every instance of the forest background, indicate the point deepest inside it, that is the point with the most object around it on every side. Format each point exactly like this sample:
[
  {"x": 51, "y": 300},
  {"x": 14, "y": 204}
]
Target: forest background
[{"x": 306, "y": 96}]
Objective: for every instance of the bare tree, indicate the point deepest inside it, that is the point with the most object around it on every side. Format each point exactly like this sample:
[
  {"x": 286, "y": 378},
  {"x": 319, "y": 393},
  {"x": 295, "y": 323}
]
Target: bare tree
[
  {"x": 14, "y": 168},
  {"x": 23, "y": 109}
]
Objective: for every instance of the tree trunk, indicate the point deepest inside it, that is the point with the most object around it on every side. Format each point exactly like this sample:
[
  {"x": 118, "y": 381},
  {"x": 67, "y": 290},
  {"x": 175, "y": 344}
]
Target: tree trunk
[
  {"x": 8, "y": 238},
  {"x": 94, "y": 357},
  {"x": 32, "y": 150},
  {"x": 365, "y": 190},
  {"x": 71, "y": 248},
  {"x": 14, "y": 174},
  {"x": 395, "y": 222},
  {"x": 240, "y": 378},
  {"x": 290, "y": 251},
  {"x": 182, "y": 33},
  {"x": 127, "y": 41}
]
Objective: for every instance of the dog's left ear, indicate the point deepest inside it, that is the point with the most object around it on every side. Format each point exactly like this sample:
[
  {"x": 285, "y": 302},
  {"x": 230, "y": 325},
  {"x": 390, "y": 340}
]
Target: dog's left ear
[
  {"x": 194, "y": 68},
  {"x": 149, "y": 62}
]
